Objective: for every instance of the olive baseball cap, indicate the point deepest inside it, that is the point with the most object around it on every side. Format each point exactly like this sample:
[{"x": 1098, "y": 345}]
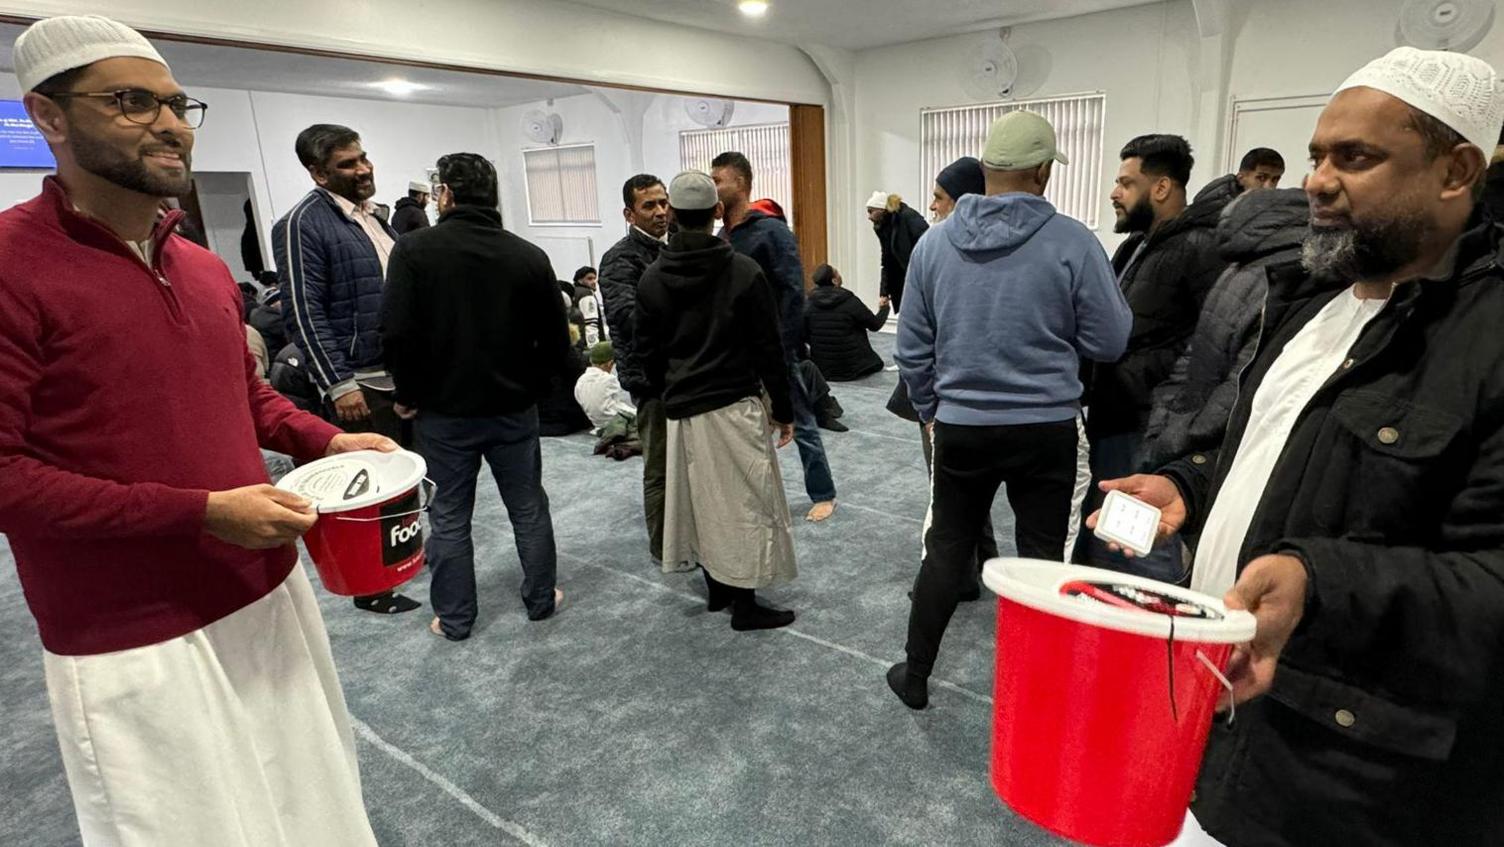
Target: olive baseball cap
[{"x": 1020, "y": 140}]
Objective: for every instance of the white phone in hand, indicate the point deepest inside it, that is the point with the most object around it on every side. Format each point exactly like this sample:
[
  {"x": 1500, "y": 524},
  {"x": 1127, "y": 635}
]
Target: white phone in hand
[{"x": 1128, "y": 522}]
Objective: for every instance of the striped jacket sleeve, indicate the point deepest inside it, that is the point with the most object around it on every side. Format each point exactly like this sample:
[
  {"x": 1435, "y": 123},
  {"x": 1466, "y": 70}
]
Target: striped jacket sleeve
[{"x": 302, "y": 269}]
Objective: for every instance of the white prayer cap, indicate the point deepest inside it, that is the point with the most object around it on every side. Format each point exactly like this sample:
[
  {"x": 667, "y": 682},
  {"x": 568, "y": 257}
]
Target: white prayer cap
[
  {"x": 420, "y": 186},
  {"x": 51, "y": 46},
  {"x": 1459, "y": 90},
  {"x": 878, "y": 200}
]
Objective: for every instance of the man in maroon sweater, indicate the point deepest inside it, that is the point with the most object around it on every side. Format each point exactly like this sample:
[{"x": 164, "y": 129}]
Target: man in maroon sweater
[{"x": 192, "y": 687}]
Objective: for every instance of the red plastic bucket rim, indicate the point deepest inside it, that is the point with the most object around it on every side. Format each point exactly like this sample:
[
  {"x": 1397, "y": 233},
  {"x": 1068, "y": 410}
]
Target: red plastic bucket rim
[
  {"x": 1036, "y": 583},
  {"x": 393, "y": 475}
]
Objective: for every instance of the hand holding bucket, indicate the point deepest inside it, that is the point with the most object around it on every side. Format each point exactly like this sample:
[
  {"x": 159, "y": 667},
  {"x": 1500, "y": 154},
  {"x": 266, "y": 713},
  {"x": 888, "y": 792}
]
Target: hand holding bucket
[
  {"x": 1273, "y": 589},
  {"x": 369, "y": 537}
]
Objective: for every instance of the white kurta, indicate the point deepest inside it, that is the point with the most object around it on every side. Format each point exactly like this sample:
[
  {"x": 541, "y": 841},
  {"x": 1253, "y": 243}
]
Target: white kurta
[
  {"x": 234, "y": 735},
  {"x": 1306, "y": 363}
]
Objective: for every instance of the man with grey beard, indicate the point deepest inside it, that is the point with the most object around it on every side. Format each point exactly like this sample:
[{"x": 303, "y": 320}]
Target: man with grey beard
[{"x": 1356, "y": 505}]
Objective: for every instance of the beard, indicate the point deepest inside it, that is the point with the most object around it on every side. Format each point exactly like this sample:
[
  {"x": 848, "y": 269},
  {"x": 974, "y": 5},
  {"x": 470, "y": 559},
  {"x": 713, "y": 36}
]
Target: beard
[
  {"x": 1138, "y": 218},
  {"x": 351, "y": 188},
  {"x": 1365, "y": 250},
  {"x": 107, "y": 162}
]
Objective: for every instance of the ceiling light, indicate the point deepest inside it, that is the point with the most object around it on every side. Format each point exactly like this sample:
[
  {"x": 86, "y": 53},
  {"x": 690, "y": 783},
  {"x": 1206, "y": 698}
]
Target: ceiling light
[
  {"x": 399, "y": 87},
  {"x": 753, "y": 8}
]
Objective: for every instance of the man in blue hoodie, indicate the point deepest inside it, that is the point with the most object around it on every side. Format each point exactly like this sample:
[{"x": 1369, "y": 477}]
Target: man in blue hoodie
[{"x": 1006, "y": 297}]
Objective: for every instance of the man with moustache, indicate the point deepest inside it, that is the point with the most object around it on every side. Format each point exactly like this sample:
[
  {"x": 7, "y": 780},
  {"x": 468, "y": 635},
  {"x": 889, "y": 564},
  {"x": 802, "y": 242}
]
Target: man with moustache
[
  {"x": 332, "y": 251},
  {"x": 1356, "y": 504},
  {"x": 1165, "y": 268},
  {"x": 190, "y": 677},
  {"x": 645, "y": 209}
]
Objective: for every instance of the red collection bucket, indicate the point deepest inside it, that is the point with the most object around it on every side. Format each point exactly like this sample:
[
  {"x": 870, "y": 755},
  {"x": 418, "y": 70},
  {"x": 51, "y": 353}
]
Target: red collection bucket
[
  {"x": 369, "y": 535},
  {"x": 1104, "y": 694}
]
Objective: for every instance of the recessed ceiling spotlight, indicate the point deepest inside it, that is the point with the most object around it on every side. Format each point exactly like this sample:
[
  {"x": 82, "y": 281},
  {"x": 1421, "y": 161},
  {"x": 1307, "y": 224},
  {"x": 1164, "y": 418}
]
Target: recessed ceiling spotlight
[
  {"x": 753, "y": 8},
  {"x": 399, "y": 87}
]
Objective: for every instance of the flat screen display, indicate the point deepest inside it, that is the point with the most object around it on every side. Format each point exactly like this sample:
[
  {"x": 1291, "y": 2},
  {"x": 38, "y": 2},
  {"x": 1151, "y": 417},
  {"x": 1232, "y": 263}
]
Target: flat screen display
[{"x": 21, "y": 146}]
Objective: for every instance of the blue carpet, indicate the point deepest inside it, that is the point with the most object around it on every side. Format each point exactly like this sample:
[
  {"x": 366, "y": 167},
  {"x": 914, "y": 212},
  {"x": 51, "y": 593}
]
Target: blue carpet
[{"x": 634, "y": 717}]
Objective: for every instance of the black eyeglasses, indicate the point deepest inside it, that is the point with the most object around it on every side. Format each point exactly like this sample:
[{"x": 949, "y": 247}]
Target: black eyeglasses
[{"x": 143, "y": 107}]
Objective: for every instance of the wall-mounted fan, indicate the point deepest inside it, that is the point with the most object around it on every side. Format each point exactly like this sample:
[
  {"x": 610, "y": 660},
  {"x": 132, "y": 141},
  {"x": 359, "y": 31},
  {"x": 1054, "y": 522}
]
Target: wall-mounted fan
[
  {"x": 543, "y": 127},
  {"x": 990, "y": 70},
  {"x": 708, "y": 111},
  {"x": 1456, "y": 25}
]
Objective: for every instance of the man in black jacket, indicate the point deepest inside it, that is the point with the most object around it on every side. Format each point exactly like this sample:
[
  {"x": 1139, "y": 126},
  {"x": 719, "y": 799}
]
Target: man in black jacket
[
  {"x": 836, "y": 323},
  {"x": 898, "y": 229},
  {"x": 707, "y": 335},
  {"x": 1259, "y": 230},
  {"x": 1165, "y": 269},
  {"x": 1356, "y": 505},
  {"x": 410, "y": 212},
  {"x": 645, "y": 208},
  {"x": 473, "y": 326},
  {"x": 768, "y": 241}
]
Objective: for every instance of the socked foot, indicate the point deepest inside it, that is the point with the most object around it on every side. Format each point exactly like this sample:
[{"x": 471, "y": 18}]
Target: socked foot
[
  {"x": 751, "y": 616},
  {"x": 913, "y": 690},
  {"x": 821, "y": 511}
]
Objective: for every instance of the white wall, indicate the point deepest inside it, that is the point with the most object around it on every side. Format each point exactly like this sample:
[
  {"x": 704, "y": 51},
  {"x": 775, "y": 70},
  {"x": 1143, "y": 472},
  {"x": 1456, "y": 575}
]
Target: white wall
[
  {"x": 1137, "y": 56},
  {"x": 666, "y": 118},
  {"x": 1158, "y": 73},
  {"x": 632, "y": 132},
  {"x": 587, "y": 119},
  {"x": 402, "y": 139}
]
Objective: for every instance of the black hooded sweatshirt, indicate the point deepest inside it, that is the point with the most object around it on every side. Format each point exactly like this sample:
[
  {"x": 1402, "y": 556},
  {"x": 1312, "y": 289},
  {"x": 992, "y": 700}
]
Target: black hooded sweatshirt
[{"x": 707, "y": 329}]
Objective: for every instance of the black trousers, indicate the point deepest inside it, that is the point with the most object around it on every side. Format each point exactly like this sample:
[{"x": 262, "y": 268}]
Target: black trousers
[{"x": 1037, "y": 463}]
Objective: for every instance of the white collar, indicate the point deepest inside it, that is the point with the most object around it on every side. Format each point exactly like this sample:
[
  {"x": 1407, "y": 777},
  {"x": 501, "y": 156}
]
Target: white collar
[
  {"x": 663, "y": 240},
  {"x": 349, "y": 208}
]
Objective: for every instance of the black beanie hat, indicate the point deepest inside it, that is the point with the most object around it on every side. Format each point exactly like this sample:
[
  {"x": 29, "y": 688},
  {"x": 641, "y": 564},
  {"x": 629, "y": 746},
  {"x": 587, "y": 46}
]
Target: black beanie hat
[{"x": 962, "y": 177}]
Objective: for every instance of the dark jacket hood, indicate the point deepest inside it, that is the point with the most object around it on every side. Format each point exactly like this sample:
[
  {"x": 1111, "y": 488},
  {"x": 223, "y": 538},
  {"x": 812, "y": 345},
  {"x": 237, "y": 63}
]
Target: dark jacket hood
[
  {"x": 692, "y": 260},
  {"x": 1220, "y": 190},
  {"x": 828, "y": 297},
  {"x": 999, "y": 222},
  {"x": 1264, "y": 222},
  {"x": 404, "y": 202}
]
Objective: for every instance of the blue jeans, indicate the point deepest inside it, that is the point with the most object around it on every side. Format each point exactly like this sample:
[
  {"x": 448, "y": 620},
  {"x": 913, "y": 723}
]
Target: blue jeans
[
  {"x": 1112, "y": 457},
  {"x": 818, "y": 483},
  {"x": 453, "y": 448}
]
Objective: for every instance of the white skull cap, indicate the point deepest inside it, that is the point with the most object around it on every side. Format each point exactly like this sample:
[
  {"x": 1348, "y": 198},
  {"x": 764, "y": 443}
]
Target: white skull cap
[
  {"x": 1459, "y": 90},
  {"x": 53, "y": 45}
]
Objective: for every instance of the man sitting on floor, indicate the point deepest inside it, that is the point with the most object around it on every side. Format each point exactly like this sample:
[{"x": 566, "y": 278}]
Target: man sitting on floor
[{"x": 599, "y": 393}]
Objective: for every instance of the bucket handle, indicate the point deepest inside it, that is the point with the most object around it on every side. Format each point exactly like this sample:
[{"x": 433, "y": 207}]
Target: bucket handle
[
  {"x": 425, "y": 499},
  {"x": 1232, "y": 712}
]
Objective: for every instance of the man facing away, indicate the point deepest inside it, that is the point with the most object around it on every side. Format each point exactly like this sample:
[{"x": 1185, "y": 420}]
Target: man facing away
[
  {"x": 707, "y": 331},
  {"x": 332, "y": 252},
  {"x": 473, "y": 327},
  {"x": 1356, "y": 505},
  {"x": 645, "y": 208},
  {"x": 1165, "y": 269},
  {"x": 768, "y": 242},
  {"x": 192, "y": 686},
  {"x": 1006, "y": 297}
]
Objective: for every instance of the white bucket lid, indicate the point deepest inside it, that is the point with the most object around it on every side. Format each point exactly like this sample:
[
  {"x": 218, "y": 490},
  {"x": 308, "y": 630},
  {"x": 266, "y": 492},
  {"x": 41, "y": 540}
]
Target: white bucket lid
[
  {"x": 355, "y": 480},
  {"x": 1037, "y": 584}
]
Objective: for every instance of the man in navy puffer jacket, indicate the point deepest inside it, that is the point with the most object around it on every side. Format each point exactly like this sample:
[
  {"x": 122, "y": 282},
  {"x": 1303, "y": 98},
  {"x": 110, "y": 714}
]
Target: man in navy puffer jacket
[{"x": 331, "y": 251}]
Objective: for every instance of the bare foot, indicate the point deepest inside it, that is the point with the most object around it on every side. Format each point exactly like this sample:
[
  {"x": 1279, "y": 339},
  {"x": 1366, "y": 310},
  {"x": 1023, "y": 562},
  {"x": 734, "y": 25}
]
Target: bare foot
[
  {"x": 558, "y": 600},
  {"x": 821, "y": 511},
  {"x": 435, "y": 628}
]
